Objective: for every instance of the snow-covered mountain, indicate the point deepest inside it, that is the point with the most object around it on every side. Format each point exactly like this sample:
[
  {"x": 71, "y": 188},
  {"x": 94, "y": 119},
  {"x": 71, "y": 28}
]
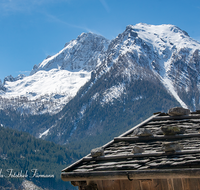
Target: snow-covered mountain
[
  {"x": 111, "y": 85},
  {"x": 146, "y": 69},
  {"x": 57, "y": 79},
  {"x": 163, "y": 52}
]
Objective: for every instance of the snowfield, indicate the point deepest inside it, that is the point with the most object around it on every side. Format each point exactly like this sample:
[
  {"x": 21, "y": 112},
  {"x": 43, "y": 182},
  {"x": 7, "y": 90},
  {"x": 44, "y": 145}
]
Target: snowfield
[{"x": 54, "y": 85}]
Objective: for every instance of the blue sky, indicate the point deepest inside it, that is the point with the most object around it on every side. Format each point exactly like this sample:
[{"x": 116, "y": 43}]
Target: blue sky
[{"x": 32, "y": 29}]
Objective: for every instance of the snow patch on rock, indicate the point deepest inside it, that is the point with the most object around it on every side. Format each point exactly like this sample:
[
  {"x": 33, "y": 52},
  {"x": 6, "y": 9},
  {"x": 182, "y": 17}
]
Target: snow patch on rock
[{"x": 112, "y": 93}]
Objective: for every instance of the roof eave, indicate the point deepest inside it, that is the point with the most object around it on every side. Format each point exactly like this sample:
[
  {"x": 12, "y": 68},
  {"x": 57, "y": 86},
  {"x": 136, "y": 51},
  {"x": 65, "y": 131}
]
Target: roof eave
[{"x": 131, "y": 174}]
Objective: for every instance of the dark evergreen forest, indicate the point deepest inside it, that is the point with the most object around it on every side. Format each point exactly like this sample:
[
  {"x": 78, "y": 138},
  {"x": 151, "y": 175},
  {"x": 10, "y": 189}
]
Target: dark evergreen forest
[{"x": 22, "y": 154}]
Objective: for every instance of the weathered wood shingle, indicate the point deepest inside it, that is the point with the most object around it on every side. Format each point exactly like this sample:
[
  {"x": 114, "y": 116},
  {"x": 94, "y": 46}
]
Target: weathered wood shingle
[{"x": 119, "y": 155}]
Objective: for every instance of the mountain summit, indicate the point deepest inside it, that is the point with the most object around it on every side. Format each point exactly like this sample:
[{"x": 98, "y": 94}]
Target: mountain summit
[
  {"x": 95, "y": 89},
  {"x": 82, "y": 54},
  {"x": 57, "y": 79},
  {"x": 163, "y": 53}
]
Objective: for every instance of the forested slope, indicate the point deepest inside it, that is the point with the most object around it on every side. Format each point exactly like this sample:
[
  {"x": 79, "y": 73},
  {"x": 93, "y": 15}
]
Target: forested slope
[{"x": 22, "y": 156}]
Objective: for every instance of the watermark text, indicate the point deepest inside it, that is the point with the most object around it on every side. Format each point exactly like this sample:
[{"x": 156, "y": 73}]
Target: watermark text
[{"x": 33, "y": 173}]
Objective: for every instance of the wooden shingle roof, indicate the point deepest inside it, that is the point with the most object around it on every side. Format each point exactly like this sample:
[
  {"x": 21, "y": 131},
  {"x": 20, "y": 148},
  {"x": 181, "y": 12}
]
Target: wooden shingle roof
[{"x": 119, "y": 160}]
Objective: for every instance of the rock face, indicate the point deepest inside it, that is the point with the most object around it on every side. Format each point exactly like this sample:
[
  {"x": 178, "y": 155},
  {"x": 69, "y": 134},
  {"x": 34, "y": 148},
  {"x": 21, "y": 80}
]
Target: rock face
[
  {"x": 84, "y": 53},
  {"x": 171, "y": 147},
  {"x": 10, "y": 78},
  {"x": 178, "y": 111},
  {"x": 96, "y": 152}
]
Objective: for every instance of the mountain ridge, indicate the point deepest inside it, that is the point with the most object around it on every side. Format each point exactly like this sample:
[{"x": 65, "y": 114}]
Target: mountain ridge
[
  {"x": 57, "y": 79},
  {"x": 113, "y": 84},
  {"x": 145, "y": 69},
  {"x": 153, "y": 46}
]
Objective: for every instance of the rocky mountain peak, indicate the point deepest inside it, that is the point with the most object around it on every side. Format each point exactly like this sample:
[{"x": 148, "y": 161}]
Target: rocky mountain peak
[
  {"x": 10, "y": 78},
  {"x": 162, "y": 53},
  {"x": 94, "y": 85},
  {"x": 89, "y": 36},
  {"x": 79, "y": 54}
]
